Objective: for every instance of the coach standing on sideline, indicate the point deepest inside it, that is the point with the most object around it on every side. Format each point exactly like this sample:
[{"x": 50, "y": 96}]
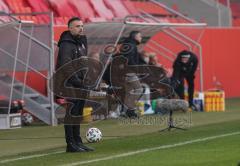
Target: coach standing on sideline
[{"x": 73, "y": 45}]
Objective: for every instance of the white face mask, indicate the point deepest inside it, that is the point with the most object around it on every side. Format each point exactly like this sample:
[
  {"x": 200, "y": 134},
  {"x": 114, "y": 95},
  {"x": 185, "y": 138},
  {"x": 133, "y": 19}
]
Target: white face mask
[
  {"x": 185, "y": 60},
  {"x": 146, "y": 59}
]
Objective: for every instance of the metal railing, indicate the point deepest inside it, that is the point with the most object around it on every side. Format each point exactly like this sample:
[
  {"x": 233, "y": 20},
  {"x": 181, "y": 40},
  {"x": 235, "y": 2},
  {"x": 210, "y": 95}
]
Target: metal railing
[{"x": 26, "y": 63}]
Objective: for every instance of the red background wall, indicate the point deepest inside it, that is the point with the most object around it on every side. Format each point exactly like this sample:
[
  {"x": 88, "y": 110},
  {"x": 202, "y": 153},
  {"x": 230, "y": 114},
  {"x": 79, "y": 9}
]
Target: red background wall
[{"x": 221, "y": 58}]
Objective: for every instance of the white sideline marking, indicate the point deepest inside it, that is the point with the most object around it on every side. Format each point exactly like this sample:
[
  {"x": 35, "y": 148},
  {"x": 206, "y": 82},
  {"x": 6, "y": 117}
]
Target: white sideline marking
[
  {"x": 151, "y": 149},
  {"x": 123, "y": 154},
  {"x": 29, "y": 157}
]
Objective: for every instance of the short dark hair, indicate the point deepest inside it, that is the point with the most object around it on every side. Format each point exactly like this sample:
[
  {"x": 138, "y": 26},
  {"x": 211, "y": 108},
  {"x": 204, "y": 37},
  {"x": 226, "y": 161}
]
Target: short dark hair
[
  {"x": 133, "y": 34},
  {"x": 73, "y": 19}
]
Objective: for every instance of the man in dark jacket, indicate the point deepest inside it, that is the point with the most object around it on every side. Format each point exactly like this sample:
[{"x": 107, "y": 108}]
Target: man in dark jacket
[
  {"x": 72, "y": 46},
  {"x": 130, "y": 51},
  {"x": 184, "y": 67}
]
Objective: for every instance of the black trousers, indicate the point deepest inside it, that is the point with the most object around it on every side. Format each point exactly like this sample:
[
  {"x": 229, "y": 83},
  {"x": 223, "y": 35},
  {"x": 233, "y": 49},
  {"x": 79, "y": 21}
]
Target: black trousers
[
  {"x": 180, "y": 88},
  {"x": 72, "y": 121}
]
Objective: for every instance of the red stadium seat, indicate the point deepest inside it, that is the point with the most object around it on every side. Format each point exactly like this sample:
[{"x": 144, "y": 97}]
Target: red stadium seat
[
  {"x": 101, "y": 9},
  {"x": 12, "y": 3},
  {"x": 83, "y": 6},
  {"x": 22, "y": 3},
  {"x": 35, "y": 20},
  {"x": 25, "y": 10},
  {"x": 19, "y": 6},
  {"x": 235, "y": 9},
  {"x": 40, "y": 6},
  {"x": 4, "y": 7},
  {"x": 117, "y": 7},
  {"x": 59, "y": 21},
  {"x": 130, "y": 6},
  {"x": 151, "y": 8},
  {"x": 62, "y": 8}
]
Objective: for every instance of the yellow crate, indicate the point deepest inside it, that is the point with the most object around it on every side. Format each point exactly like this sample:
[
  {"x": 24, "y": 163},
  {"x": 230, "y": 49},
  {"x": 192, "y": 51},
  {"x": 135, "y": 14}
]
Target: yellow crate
[
  {"x": 214, "y": 101},
  {"x": 140, "y": 107},
  {"x": 207, "y": 103}
]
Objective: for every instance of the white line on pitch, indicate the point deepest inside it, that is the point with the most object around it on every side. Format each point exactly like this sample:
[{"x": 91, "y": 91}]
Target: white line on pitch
[
  {"x": 151, "y": 149},
  {"x": 29, "y": 157}
]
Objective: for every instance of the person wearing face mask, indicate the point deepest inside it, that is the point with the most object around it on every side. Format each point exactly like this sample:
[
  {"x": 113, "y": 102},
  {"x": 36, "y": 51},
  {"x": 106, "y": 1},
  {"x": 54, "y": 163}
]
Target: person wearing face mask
[
  {"x": 184, "y": 67},
  {"x": 72, "y": 46}
]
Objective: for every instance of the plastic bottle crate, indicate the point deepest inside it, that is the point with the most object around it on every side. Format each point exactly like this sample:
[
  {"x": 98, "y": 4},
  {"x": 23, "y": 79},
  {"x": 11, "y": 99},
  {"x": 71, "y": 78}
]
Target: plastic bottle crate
[{"x": 214, "y": 101}]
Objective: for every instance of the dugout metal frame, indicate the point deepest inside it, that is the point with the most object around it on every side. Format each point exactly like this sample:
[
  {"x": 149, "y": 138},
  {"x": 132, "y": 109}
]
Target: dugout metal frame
[
  {"x": 17, "y": 25},
  {"x": 155, "y": 27}
]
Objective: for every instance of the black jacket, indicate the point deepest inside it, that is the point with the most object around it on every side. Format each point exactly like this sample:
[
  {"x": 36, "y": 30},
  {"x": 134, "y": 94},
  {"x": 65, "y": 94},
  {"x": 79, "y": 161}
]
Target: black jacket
[
  {"x": 185, "y": 69},
  {"x": 131, "y": 52},
  {"x": 71, "y": 48}
]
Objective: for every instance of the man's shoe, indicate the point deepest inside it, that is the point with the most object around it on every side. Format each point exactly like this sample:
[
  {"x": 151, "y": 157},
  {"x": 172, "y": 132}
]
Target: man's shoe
[
  {"x": 86, "y": 148},
  {"x": 131, "y": 114},
  {"x": 71, "y": 147}
]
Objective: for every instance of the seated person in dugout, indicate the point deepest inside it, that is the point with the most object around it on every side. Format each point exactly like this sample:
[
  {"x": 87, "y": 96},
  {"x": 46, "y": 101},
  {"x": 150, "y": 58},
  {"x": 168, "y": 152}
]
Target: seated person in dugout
[{"x": 127, "y": 82}]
